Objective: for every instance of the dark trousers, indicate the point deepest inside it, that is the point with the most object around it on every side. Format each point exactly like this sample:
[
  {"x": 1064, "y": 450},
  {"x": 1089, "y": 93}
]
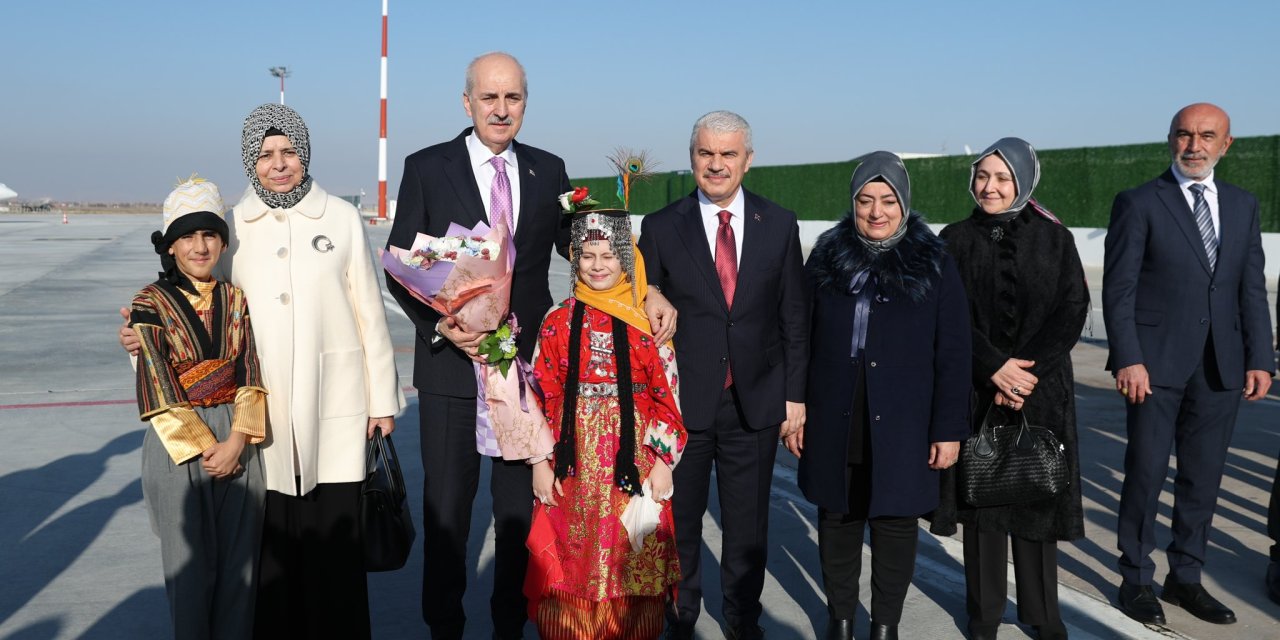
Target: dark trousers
[
  {"x": 1035, "y": 573},
  {"x": 451, "y": 470},
  {"x": 743, "y": 461},
  {"x": 893, "y": 554},
  {"x": 1195, "y": 420},
  {"x": 1273, "y": 517},
  {"x": 312, "y": 579}
]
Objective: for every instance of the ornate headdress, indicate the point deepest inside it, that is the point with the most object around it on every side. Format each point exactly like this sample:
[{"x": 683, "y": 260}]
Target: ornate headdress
[{"x": 612, "y": 226}]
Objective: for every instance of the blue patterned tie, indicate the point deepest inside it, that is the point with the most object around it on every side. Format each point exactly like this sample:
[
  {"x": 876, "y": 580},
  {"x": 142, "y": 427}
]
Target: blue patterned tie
[{"x": 1205, "y": 222}]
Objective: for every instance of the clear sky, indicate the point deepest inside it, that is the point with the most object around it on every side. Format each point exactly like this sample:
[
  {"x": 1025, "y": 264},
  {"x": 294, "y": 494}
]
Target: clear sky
[{"x": 111, "y": 101}]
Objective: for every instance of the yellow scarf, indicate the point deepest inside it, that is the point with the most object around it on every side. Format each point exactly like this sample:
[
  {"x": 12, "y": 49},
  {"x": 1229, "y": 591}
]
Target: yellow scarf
[{"x": 616, "y": 301}]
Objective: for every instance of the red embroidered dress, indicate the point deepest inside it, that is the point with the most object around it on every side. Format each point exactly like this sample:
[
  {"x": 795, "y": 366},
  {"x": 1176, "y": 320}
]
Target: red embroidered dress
[{"x": 580, "y": 548}]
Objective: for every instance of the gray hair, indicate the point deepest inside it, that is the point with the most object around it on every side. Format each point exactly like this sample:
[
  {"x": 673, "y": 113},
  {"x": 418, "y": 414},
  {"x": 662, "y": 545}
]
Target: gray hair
[
  {"x": 471, "y": 71},
  {"x": 721, "y": 122}
]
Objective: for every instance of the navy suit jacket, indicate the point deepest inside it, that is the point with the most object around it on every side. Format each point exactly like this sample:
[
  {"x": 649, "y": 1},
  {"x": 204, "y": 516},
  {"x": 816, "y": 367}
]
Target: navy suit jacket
[
  {"x": 1161, "y": 302},
  {"x": 765, "y": 334},
  {"x": 439, "y": 187}
]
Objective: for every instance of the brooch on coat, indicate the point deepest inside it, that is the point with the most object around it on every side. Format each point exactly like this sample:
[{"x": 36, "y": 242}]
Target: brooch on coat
[{"x": 322, "y": 244}]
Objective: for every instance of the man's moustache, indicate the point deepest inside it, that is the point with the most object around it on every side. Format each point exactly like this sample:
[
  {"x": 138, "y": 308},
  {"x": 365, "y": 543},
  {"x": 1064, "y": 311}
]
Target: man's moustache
[{"x": 497, "y": 120}]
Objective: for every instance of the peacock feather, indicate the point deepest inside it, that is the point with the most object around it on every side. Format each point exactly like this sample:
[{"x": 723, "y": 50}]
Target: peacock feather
[{"x": 632, "y": 167}]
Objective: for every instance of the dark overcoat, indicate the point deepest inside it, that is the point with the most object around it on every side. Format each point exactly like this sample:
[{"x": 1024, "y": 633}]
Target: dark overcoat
[
  {"x": 1028, "y": 299},
  {"x": 916, "y": 364}
]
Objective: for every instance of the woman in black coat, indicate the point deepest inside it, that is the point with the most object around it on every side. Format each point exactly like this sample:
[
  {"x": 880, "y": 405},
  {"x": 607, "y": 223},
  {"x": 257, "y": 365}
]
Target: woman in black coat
[
  {"x": 1028, "y": 301},
  {"x": 888, "y": 390}
]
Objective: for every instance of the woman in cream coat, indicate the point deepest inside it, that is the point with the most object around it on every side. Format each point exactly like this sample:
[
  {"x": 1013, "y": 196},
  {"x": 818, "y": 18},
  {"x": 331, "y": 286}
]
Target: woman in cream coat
[{"x": 302, "y": 258}]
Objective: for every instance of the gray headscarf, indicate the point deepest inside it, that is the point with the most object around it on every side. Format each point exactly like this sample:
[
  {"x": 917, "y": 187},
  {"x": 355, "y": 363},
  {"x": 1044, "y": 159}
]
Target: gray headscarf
[
  {"x": 1021, "y": 158},
  {"x": 888, "y": 167},
  {"x": 276, "y": 116}
]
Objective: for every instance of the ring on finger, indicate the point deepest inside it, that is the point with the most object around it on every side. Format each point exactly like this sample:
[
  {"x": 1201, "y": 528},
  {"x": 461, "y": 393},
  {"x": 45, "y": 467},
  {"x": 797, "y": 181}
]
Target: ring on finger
[{"x": 1017, "y": 391}]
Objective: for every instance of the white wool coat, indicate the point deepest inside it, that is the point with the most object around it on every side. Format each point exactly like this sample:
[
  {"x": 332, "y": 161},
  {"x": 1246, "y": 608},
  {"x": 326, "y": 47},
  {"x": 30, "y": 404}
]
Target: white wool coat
[{"x": 321, "y": 334}]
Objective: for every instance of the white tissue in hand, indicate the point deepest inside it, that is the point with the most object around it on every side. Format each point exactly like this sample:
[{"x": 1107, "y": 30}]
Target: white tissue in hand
[{"x": 641, "y": 516}]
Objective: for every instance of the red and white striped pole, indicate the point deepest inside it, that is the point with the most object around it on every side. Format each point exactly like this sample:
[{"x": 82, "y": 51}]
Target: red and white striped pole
[{"x": 382, "y": 125}]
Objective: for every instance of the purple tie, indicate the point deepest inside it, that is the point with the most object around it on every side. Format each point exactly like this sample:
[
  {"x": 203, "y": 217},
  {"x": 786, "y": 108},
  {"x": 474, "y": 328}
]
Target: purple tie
[
  {"x": 500, "y": 196},
  {"x": 499, "y": 215}
]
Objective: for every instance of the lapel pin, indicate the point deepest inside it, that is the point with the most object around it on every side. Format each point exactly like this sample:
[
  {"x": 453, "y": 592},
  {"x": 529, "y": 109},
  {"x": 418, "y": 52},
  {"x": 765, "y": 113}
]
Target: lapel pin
[
  {"x": 532, "y": 173},
  {"x": 757, "y": 217},
  {"x": 322, "y": 244}
]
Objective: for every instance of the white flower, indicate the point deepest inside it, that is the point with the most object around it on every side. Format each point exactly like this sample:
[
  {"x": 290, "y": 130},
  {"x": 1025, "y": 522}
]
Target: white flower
[
  {"x": 508, "y": 346},
  {"x": 565, "y": 202}
]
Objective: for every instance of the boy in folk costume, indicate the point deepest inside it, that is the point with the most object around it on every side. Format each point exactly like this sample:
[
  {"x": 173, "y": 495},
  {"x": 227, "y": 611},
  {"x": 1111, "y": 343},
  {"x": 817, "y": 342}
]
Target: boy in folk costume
[
  {"x": 200, "y": 389},
  {"x": 597, "y": 568}
]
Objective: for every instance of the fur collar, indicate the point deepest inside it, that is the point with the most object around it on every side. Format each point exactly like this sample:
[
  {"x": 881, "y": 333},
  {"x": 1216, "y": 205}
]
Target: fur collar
[{"x": 911, "y": 267}]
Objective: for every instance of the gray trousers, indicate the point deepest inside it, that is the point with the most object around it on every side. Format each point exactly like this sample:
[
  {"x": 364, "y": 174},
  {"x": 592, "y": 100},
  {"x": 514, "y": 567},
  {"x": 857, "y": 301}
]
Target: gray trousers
[{"x": 209, "y": 534}]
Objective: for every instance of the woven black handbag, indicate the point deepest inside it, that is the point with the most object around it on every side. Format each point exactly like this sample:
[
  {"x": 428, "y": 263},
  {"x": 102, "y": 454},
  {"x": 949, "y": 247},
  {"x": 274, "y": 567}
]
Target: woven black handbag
[
  {"x": 385, "y": 522},
  {"x": 1011, "y": 464}
]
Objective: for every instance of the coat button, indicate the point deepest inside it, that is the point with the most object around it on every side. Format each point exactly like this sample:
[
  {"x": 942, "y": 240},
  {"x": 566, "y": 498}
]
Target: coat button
[
  {"x": 730, "y": 324},
  {"x": 873, "y": 364},
  {"x": 723, "y": 360},
  {"x": 845, "y": 414},
  {"x": 1213, "y": 288},
  {"x": 284, "y": 298},
  {"x": 1204, "y": 321},
  {"x": 279, "y": 217},
  {"x": 877, "y": 418},
  {"x": 282, "y": 252}
]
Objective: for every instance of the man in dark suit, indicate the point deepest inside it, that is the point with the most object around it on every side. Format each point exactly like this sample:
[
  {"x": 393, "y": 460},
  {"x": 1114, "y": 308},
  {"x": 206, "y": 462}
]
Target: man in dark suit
[
  {"x": 459, "y": 181},
  {"x": 742, "y": 353},
  {"x": 1186, "y": 312}
]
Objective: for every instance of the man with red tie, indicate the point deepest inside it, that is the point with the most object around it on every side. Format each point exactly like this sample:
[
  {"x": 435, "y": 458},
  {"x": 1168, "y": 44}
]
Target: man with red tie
[{"x": 729, "y": 261}]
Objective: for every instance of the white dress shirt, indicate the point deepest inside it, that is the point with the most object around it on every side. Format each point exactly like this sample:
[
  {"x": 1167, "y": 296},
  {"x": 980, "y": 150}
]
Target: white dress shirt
[
  {"x": 484, "y": 171},
  {"x": 1210, "y": 196},
  {"x": 711, "y": 221}
]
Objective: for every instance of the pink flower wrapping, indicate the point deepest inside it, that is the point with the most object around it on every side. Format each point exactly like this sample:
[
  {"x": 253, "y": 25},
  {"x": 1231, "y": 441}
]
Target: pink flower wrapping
[{"x": 473, "y": 290}]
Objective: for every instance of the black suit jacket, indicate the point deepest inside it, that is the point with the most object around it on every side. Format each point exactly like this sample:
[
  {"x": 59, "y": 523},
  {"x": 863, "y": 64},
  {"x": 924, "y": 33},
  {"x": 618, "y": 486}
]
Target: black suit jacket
[
  {"x": 765, "y": 335},
  {"x": 439, "y": 187},
  {"x": 1160, "y": 300}
]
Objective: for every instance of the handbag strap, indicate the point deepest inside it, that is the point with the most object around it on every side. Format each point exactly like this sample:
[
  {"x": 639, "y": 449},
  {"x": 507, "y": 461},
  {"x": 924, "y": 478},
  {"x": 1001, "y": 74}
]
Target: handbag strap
[{"x": 381, "y": 447}]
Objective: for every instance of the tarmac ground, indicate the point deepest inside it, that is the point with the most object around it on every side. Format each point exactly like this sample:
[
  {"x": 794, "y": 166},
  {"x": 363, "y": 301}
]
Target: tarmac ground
[{"x": 78, "y": 558}]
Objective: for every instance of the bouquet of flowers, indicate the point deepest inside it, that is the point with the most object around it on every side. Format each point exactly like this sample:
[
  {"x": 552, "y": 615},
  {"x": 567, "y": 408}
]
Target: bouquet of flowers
[{"x": 466, "y": 275}]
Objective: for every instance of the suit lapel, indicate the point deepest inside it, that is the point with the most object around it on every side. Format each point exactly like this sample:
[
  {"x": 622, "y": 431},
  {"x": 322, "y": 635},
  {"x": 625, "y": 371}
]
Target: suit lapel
[
  {"x": 528, "y": 179},
  {"x": 1231, "y": 233},
  {"x": 693, "y": 234},
  {"x": 463, "y": 180},
  {"x": 1171, "y": 195},
  {"x": 753, "y": 230}
]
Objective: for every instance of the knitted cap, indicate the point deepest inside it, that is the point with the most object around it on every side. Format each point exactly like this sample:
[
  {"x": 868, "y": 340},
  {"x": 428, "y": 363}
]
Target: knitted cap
[{"x": 195, "y": 195}]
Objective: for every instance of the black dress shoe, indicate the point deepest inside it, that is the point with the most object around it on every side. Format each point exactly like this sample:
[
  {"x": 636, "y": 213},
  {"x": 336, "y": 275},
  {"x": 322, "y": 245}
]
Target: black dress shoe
[
  {"x": 883, "y": 631},
  {"x": 1139, "y": 602},
  {"x": 678, "y": 632},
  {"x": 983, "y": 631},
  {"x": 744, "y": 632},
  {"x": 1192, "y": 597},
  {"x": 839, "y": 629},
  {"x": 1273, "y": 581},
  {"x": 1051, "y": 631}
]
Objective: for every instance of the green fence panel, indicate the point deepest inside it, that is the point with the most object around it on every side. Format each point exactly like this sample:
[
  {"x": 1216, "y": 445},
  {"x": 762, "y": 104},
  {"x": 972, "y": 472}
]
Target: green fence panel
[{"x": 1076, "y": 184}]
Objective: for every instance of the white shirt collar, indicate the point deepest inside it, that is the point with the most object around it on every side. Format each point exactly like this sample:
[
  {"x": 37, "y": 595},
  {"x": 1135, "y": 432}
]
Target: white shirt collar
[
  {"x": 1185, "y": 182},
  {"x": 711, "y": 210},
  {"x": 480, "y": 154}
]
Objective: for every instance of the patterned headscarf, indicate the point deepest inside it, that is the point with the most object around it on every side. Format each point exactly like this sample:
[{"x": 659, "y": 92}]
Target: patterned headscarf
[{"x": 276, "y": 116}]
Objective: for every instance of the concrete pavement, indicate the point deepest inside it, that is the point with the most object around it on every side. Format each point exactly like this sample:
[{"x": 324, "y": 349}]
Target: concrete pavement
[{"x": 78, "y": 559}]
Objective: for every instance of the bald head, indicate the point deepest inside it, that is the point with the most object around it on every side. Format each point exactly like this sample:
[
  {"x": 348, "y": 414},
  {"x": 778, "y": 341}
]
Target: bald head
[
  {"x": 1199, "y": 136},
  {"x": 500, "y": 59}
]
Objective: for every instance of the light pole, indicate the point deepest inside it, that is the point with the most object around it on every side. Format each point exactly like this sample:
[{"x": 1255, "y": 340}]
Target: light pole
[
  {"x": 382, "y": 124},
  {"x": 282, "y": 73}
]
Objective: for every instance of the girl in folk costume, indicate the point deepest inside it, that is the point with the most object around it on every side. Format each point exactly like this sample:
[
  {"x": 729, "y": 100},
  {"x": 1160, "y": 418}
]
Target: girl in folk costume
[
  {"x": 200, "y": 388},
  {"x": 603, "y": 556}
]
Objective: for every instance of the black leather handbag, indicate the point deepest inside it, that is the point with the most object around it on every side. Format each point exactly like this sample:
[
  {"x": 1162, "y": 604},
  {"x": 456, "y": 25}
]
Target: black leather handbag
[
  {"x": 1011, "y": 464},
  {"x": 385, "y": 522}
]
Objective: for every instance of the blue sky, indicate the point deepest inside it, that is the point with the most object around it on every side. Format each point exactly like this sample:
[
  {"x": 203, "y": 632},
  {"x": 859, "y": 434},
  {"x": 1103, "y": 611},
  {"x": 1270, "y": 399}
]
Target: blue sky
[{"x": 110, "y": 101}]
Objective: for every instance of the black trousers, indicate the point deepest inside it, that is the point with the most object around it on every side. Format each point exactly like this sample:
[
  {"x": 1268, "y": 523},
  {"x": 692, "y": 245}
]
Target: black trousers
[
  {"x": 451, "y": 470},
  {"x": 893, "y": 554},
  {"x": 1035, "y": 573},
  {"x": 743, "y": 461},
  {"x": 311, "y": 573},
  {"x": 1273, "y": 517},
  {"x": 1195, "y": 420}
]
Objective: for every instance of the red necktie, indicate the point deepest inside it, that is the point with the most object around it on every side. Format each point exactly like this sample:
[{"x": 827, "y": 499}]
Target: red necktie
[{"x": 727, "y": 269}]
